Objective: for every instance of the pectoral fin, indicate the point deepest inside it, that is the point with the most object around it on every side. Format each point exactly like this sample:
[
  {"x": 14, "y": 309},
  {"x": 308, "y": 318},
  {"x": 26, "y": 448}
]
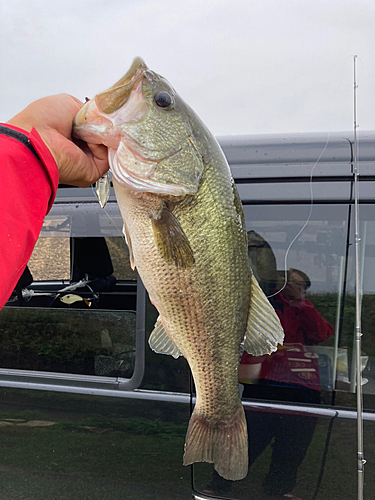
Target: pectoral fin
[
  {"x": 160, "y": 341},
  {"x": 129, "y": 243},
  {"x": 171, "y": 239},
  {"x": 264, "y": 331}
]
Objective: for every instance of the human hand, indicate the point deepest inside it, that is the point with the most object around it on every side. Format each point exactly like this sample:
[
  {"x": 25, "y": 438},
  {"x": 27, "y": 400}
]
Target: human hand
[
  {"x": 292, "y": 291},
  {"x": 295, "y": 288},
  {"x": 52, "y": 117}
]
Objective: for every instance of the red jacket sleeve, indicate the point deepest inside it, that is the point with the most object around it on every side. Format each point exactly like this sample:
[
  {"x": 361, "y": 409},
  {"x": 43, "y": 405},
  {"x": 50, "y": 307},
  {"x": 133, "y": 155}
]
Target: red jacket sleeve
[{"x": 27, "y": 189}]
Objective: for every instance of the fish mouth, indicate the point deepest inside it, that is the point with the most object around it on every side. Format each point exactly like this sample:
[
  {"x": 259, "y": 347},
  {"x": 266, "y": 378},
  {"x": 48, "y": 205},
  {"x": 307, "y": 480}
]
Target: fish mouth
[
  {"x": 99, "y": 122},
  {"x": 95, "y": 122},
  {"x": 116, "y": 96}
]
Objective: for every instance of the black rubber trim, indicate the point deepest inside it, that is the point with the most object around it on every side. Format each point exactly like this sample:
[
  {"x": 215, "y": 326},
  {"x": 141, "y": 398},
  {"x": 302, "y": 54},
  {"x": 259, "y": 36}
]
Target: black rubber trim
[{"x": 19, "y": 137}]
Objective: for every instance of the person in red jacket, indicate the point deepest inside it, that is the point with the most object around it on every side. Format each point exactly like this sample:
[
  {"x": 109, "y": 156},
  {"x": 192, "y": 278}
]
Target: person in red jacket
[
  {"x": 292, "y": 364},
  {"x": 291, "y": 373},
  {"x": 36, "y": 153}
]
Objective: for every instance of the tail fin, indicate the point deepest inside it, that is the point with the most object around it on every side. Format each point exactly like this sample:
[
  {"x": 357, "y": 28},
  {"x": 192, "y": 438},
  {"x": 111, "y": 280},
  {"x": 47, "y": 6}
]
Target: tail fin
[{"x": 222, "y": 443}]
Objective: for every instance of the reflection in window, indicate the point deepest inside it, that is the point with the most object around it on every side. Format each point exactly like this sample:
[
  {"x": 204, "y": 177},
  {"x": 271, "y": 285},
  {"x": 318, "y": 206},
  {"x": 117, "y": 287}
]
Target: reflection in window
[
  {"x": 305, "y": 287},
  {"x": 68, "y": 341},
  {"x": 50, "y": 259},
  {"x": 317, "y": 310},
  {"x": 119, "y": 252},
  {"x": 367, "y": 279}
]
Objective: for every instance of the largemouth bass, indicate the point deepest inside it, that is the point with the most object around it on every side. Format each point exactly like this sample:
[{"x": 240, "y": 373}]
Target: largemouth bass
[{"x": 184, "y": 225}]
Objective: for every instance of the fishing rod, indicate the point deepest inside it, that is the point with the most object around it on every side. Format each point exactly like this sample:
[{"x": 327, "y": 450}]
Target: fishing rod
[{"x": 358, "y": 334}]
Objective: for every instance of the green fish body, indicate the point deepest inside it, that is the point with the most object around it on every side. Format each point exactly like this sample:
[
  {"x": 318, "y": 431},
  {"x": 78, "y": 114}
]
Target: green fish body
[{"x": 184, "y": 225}]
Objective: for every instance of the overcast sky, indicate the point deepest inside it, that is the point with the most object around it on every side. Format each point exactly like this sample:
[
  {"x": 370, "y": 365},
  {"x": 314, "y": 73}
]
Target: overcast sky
[{"x": 246, "y": 67}]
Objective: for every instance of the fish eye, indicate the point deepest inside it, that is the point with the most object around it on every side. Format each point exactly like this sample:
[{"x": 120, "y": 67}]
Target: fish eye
[{"x": 163, "y": 99}]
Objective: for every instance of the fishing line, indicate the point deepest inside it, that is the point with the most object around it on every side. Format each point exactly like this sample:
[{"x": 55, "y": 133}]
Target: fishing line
[
  {"x": 307, "y": 220},
  {"x": 333, "y": 93}
]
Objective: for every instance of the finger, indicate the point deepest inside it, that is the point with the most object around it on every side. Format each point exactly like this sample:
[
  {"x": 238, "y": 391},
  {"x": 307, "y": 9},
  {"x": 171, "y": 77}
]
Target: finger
[
  {"x": 78, "y": 101},
  {"x": 98, "y": 150},
  {"x": 102, "y": 166},
  {"x": 99, "y": 157},
  {"x": 89, "y": 168}
]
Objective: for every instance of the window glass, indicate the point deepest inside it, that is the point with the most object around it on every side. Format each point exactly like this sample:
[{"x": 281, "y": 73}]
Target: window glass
[
  {"x": 50, "y": 259},
  {"x": 119, "y": 253},
  {"x": 301, "y": 269},
  {"x": 290, "y": 444},
  {"x": 367, "y": 292},
  {"x": 75, "y": 341},
  {"x": 63, "y": 327},
  {"x": 84, "y": 218}
]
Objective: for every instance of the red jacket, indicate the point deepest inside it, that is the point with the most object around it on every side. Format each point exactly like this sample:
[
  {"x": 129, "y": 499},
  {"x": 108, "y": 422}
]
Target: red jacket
[
  {"x": 28, "y": 186},
  {"x": 301, "y": 321},
  {"x": 293, "y": 364}
]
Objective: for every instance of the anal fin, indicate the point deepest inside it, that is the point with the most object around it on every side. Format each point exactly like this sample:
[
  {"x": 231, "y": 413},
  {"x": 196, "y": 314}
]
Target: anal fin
[
  {"x": 160, "y": 341},
  {"x": 264, "y": 331}
]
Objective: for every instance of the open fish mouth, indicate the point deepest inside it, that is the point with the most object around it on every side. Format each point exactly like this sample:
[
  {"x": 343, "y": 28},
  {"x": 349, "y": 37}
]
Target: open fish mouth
[
  {"x": 117, "y": 96},
  {"x": 119, "y": 118},
  {"x": 100, "y": 119}
]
